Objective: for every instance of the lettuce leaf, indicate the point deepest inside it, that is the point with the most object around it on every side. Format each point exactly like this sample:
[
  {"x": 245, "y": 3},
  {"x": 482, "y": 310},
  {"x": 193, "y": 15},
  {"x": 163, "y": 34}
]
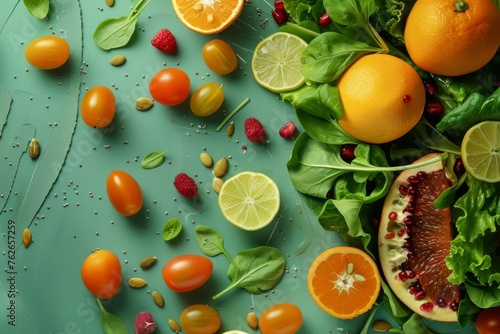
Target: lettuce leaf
[{"x": 393, "y": 17}]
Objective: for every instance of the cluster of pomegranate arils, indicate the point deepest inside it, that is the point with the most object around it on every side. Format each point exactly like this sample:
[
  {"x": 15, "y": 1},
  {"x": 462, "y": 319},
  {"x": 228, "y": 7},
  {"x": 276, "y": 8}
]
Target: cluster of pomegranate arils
[
  {"x": 410, "y": 191},
  {"x": 280, "y": 15},
  {"x": 433, "y": 108}
]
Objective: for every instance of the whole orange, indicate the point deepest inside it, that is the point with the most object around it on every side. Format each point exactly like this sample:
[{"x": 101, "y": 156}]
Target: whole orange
[
  {"x": 452, "y": 37},
  {"x": 383, "y": 98},
  {"x": 102, "y": 273}
]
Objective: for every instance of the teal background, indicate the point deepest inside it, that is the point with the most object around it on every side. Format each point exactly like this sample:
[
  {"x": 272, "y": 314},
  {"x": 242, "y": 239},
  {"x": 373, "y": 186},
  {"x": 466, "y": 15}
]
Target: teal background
[{"x": 76, "y": 216}]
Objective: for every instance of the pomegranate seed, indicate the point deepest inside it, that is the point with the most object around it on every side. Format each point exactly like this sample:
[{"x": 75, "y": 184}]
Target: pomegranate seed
[
  {"x": 280, "y": 16},
  {"x": 406, "y": 244},
  {"x": 411, "y": 274},
  {"x": 421, "y": 175},
  {"x": 393, "y": 216},
  {"x": 411, "y": 198},
  {"x": 401, "y": 233},
  {"x": 412, "y": 290},
  {"x": 403, "y": 276},
  {"x": 427, "y": 307},
  {"x": 441, "y": 302},
  {"x": 347, "y": 152},
  {"x": 434, "y": 108},
  {"x": 419, "y": 295},
  {"x": 458, "y": 167},
  {"x": 390, "y": 235},
  {"x": 412, "y": 180},
  {"x": 324, "y": 20},
  {"x": 279, "y": 4},
  {"x": 412, "y": 189},
  {"x": 287, "y": 130},
  {"x": 454, "y": 306},
  {"x": 408, "y": 220},
  {"x": 430, "y": 87},
  {"x": 403, "y": 190},
  {"x": 410, "y": 255},
  {"x": 406, "y": 99}
]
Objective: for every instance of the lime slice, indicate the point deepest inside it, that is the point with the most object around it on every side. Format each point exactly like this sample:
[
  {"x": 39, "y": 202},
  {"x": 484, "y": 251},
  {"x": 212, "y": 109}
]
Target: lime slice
[
  {"x": 481, "y": 151},
  {"x": 276, "y": 62},
  {"x": 249, "y": 200}
]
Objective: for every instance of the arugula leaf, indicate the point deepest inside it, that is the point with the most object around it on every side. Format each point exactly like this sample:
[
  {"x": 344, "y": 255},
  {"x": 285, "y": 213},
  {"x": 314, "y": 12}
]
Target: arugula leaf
[
  {"x": 256, "y": 270},
  {"x": 153, "y": 159},
  {"x": 116, "y": 32},
  {"x": 111, "y": 324},
  {"x": 38, "y": 8},
  {"x": 171, "y": 229}
]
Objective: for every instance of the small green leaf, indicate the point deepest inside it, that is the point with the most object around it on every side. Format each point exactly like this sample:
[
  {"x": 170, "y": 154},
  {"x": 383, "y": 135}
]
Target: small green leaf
[
  {"x": 37, "y": 8},
  {"x": 171, "y": 229},
  {"x": 211, "y": 242},
  {"x": 153, "y": 159},
  {"x": 111, "y": 324}
]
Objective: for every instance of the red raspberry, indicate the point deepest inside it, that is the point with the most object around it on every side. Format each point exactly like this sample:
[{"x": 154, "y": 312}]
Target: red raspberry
[
  {"x": 254, "y": 130},
  {"x": 164, "y": 41},
  {"x": 185, "y": 185}
]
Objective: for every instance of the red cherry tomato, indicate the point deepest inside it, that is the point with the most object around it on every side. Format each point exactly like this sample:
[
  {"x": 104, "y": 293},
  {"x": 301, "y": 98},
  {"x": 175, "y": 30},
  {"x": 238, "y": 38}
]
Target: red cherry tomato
[
  {"x": 170, "y": 86},
  {"x": 98, "y": 107},
  {"x": 207, "y": 99},
  {"x": 187, "y": 272},
  {"x": 124, "y": 193},
  {"x": 488, "y": 321},
  {"x": 200, "y": 319},
  {"x": 284, "y": 318},
  {"x": 102, "y": 273},
  {"x": 47, "y": 52},
  {"x": 219, "y": 56}
]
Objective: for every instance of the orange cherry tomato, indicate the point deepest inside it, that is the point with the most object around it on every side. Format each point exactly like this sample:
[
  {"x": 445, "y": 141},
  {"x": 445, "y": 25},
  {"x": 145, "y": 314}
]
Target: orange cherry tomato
[
  {"x": 124, "y": 193},
  {"x": 170, "y": 86},
  {"x": 206, "y": 99},
  {"x": 187, "y": 272},
  {"x": 47, "y": 52},
  {"x": 284, "y": 318},
  {"x": 488, "y": 321},
  {"x": 98, "y": 107},
  {"x": 102, "y": 273},
  {"x": 219, "y": 56},
  {"x": 200, "y": 319}
]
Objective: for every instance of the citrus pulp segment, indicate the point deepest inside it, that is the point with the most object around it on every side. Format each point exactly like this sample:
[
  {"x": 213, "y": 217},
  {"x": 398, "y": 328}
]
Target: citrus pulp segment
[
  {"x": 344, "y": 281},
  {"x": 249, "y": 200},
  {"x": 208, "y": 16},
  {"x": 276, "y": 62},
  {"x": 481, "y": 151}
]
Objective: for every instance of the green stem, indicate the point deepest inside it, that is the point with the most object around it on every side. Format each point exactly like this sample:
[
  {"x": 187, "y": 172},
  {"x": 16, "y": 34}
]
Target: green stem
[
  {"x": 461, "y": 6},
  {"x": 377, "y": 38},
  {"x": 228, "y": 117},
  {"x": 229, "y": 257},
  {"x": 229, "y": 287},
  {"x": 136, "y": 11}
]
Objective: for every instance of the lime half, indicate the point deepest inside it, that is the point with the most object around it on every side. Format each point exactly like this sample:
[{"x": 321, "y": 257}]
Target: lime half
[
  {"x": 276, "y": 62},
  {"x": 481, "y": 151},
  {"x": 249, "y": 200}
]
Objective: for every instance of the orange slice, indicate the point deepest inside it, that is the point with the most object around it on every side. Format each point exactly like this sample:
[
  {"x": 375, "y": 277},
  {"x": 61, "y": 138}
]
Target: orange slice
[
  {"x": 344, "y": 282},
  {"x": 208, "y": 16}
]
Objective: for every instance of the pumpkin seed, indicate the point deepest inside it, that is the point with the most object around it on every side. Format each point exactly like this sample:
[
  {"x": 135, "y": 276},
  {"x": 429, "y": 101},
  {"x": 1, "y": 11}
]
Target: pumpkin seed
[
  {"x": 174, "y": 325},
  {"x": 206, "y": 159},
  {"x": 143, "y": 104},
  {"x": 26, "y": 237},
  {"x": 381, "y": 326},
  {"x": 118, "y": 60},
  {"x": 230, "y": 129},
  {"x": 252, "y": 320},
  {"x": 148, "y": 262},
  {"x": 217, "y": 183},
  {"x": 220, "y": 167},
  {"x": 110, "y": 3},
  {"x": 158, "y": 298},
  {"x": 34, "y": 148},
  {"x": 136, "y": 282}
]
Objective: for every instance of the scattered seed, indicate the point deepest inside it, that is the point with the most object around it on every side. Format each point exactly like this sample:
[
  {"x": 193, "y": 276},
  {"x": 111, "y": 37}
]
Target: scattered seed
[
  {"x": 118, "y": 60},
  {"x": 148, "y": 262},
  {"x": 206, "y": 159},
  {"x": 220, "y": 167},
  {"x": 26, "y": 237},
  {"x": 136, "y": 282},
  {"x": 359, "y": 278},
  {"x": 143, "y": 104},
  {"x": 350, "y": 268},
  {"x": 381, "y": 326},
  {"x": 158, "y": 298},
  {"x": 252, "y": 320},
  {"x": 217, "y": 183},
  {"x": 230, "y": 129},
  {"x": 174, "y": 325},
  {"x": 34, "y": 148}
]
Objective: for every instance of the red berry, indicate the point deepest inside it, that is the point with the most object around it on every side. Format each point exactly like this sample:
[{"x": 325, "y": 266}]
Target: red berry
[
  {"x": 280, "y": 16},
  {"x": 324, "y": 20},
  {"x": 254, "y": 130},
  {"x": 164, "y": 41},
  {"x": 185, "y": 185},
  {"x": 347, "y": 152},
  {"x": 287, "y": 130}
]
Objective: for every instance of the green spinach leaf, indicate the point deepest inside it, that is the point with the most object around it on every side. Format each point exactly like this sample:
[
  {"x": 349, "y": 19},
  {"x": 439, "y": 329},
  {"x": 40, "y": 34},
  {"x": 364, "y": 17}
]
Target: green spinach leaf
[
  {"x": 116, "y": 32},
  {"x": 256, "y": 270},
  {"x": 211, "y": 242},
  {"x": 171, "y": 229},
  {"x": 111, "y": 324},
  {"x": 38, "y": 8},
  {"x": 153, "y": 159}
]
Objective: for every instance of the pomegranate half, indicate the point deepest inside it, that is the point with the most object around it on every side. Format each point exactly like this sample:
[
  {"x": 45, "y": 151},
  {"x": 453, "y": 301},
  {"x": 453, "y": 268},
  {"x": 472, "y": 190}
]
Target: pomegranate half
[{"x": 414, "y": 240}]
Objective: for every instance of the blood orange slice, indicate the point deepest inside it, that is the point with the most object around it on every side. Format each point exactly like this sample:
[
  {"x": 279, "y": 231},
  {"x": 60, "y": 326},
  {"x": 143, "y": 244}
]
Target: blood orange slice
[{"x": 414, "y": 241}]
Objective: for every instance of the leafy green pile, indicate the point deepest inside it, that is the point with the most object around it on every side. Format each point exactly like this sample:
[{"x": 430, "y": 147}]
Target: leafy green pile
[{"x": 346, "y": 197}]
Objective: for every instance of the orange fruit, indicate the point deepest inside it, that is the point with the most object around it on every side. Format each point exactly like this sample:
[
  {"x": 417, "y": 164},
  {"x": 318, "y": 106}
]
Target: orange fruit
[
  {"x": 344, "y": 281},
  {"x": 452, "y": 37},
  {"x": 208, "y": 16},
  {"x": 383, "y": 98}
]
